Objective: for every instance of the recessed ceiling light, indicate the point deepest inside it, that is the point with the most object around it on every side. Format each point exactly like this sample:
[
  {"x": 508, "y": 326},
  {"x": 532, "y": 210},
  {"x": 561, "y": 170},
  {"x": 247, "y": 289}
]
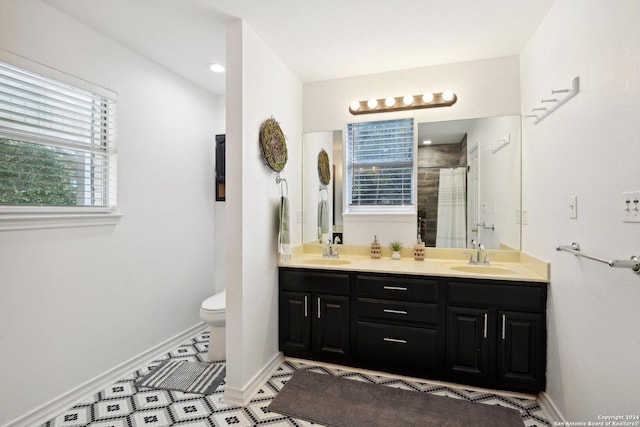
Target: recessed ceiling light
[
  {"x": 426, "y": 142},
  {"x": 216, "y": 68}
]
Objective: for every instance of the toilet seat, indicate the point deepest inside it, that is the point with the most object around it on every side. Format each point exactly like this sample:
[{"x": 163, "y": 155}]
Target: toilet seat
[{"x": 216, "y": 303}]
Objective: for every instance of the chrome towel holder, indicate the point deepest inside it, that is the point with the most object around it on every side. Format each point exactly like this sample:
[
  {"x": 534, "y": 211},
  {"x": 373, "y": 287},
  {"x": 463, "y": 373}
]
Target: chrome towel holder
[{"x": 633, "y": 263}]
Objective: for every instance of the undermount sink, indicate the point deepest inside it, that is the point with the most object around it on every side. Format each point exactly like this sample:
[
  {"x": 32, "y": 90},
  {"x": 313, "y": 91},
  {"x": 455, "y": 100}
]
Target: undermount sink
[
  {"x": 326, "y": 261},
  {"x": 483, "y": 269}
]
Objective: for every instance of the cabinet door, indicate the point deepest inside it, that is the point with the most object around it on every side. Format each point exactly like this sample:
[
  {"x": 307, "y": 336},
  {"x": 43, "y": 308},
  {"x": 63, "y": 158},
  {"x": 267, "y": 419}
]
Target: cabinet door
[
  {"x": 331, "y": 326},
  {"x": 469, "y": 342},
  {"x": 521, "y": 357},
  {"x": 295, "y": 322}
]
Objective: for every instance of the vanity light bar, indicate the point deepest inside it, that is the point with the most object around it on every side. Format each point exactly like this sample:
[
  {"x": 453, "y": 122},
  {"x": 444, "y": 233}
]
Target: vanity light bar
[{"x": 400, "y": 103}]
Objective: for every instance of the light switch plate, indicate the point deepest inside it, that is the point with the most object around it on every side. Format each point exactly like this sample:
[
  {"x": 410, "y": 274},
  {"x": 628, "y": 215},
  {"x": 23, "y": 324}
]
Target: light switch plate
[
  {"x": 630, "y": 206},
  {"x": 573, "y": 207}
]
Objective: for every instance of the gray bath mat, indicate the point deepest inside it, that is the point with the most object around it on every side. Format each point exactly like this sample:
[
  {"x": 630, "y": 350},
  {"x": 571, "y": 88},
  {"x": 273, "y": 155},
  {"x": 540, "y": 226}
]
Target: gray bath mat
[
  {"x": 182, "y": 375},
  {"x": 340, "y": 402}
]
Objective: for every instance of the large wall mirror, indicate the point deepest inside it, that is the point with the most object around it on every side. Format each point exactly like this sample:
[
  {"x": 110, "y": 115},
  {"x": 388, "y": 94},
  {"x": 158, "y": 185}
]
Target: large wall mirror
[{"x": 468, "y": 184}]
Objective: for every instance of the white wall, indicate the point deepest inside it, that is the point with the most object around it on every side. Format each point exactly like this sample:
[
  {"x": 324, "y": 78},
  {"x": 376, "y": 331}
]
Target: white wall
[
  {"x": 485, "y": 88},
  {"x": 75, "y": 302},
  {"x": 259, "y": 86},
  {"x": 589, "y": 148},
  {"x": 499, "y": 179}
]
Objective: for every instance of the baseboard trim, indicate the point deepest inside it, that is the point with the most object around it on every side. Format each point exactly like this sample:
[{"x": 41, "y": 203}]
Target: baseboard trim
[
  {"x": 550, "y": 408},
  {"x": 242, "y": 396},
  {"x": 54, "y": 407}
]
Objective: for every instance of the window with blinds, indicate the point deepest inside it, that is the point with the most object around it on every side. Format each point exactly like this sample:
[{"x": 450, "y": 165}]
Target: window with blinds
[
  {"x": 57, "y": 145},
  {"x": 380, "y": 158}
]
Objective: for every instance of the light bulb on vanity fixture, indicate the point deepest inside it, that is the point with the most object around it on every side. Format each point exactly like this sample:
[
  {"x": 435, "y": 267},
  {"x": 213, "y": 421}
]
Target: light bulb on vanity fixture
[
  {"x": 406, "y": 102},
  {"x": 447, "y": 95}
]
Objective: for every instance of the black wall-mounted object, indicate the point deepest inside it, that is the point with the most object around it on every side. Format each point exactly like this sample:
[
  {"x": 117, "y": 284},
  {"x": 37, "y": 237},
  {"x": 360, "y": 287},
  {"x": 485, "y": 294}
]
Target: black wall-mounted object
[{"x": 220, "y": 167}]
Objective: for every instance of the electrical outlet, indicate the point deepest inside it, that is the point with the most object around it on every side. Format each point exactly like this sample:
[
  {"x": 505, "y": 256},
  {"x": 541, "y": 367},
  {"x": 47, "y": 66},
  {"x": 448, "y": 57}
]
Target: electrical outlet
[
  {"x": 518, "y": 217},
  {"x": 630, "y": 206},
  {"x": 573, "y": 207},
  {"x": 525, "y": 217}
]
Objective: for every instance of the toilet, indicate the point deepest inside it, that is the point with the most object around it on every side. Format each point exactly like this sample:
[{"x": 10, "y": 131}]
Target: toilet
[{"x": 213, "y": 311}]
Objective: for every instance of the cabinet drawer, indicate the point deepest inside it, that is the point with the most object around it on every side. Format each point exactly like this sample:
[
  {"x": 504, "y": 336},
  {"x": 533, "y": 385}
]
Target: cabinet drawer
[
  {"x": 397, "y": 288},
  {"x": 303, "y": 280},
  {"x": 402, "y": 311},
  {"x": 404, "y": 345},
  {"x": 518, "y": 296}
]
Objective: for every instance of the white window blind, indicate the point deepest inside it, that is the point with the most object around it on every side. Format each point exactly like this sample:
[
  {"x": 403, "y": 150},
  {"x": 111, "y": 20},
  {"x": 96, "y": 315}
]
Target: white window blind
[
  {"x": 380, "y": 163},
  {"x": 57, "y": 145}
]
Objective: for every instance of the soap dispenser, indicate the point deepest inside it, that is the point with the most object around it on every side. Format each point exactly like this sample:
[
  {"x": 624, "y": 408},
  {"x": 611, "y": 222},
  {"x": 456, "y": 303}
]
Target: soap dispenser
[
  {"x": 376, "y": 248},
  {"x": 418, "y": 248}
]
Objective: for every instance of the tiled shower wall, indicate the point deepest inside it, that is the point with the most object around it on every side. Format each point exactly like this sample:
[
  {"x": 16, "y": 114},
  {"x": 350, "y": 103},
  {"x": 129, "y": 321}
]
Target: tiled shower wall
[{"x": 431, "y": 158}]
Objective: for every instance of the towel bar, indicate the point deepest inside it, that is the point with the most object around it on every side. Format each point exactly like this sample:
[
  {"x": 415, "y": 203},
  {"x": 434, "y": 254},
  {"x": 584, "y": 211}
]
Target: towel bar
[{"x": 633, "y": 263}]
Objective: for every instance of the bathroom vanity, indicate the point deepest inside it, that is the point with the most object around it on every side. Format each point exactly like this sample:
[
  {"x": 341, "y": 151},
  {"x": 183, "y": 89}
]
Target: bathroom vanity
[{"x": 450, "y": 326}]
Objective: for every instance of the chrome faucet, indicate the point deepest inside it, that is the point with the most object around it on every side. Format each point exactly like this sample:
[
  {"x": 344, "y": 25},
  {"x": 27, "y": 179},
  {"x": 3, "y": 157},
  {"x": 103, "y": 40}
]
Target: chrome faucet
[
  {"x": 328, "y": 251},
  {"x": 479, "y": 260}
]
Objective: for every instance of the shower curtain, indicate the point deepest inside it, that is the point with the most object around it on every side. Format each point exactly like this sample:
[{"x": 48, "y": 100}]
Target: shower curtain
[{"x": 452, "y": 211}]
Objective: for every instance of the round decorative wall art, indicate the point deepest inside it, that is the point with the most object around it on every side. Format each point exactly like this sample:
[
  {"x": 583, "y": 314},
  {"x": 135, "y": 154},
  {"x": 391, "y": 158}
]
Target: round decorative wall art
[
  {"x": 324, "y": 169},
  {"x": 273, "y": 145}
]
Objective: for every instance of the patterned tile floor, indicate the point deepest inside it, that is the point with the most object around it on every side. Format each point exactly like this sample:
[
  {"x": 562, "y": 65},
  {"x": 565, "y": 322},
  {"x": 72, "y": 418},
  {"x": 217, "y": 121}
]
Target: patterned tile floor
[{"x": 121, "y": 405}]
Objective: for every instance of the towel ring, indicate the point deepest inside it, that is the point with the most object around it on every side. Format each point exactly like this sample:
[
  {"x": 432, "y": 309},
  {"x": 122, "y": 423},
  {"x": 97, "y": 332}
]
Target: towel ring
[
  {"x": 280, "y": 180},
  {"x": 326, "y": 191}
]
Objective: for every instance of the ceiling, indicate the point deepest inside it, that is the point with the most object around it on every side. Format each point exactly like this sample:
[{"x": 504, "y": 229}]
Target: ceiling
[
  {"x": 444, "y": 132},
  {"x": 318, "y": 40}
]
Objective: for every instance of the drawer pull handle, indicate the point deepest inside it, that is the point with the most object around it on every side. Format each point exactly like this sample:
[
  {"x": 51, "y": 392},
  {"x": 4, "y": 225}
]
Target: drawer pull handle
[
  {"x": 504, "y": 322},
  {"x": 318, "y": 307},
  {"x": 395, "y": 288},
  {"x": 388, "y": 310},
  {"x": 396, "y": 340}
]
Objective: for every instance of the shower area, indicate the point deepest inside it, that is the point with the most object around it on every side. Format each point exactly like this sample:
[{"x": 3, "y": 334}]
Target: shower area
[{"x": 442, "y": 183}]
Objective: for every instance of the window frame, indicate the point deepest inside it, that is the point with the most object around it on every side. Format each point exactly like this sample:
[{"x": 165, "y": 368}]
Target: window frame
[
  {"x": 351, "y": 209},
  {"x": 16, "y": 217}
]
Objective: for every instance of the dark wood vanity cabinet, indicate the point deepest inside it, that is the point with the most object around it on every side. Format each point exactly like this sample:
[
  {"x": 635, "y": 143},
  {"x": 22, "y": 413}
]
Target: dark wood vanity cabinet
[
  {"x": 496, "y": 334},
  {"x": 479, "y": 332},
  {"x": 397, "y": 323},
  {"x": 314, "y": 314}
]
